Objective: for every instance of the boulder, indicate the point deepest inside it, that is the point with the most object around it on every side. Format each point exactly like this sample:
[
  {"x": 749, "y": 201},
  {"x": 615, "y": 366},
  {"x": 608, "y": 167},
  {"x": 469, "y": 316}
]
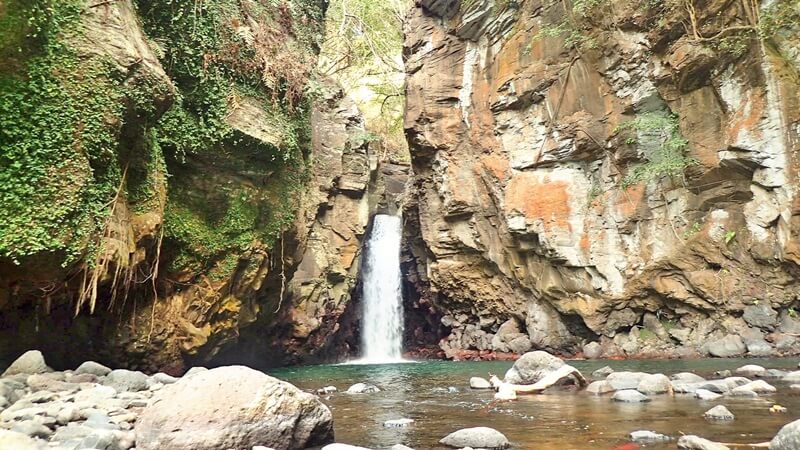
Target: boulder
[
  {"x": 479, "y": 437},
  {"x": 792, "y": 377},
  {"x": 233, "y": 407},
  {"x": 761, "y": 316},
  {"x": 164, "y": 378},
  {"x": 730, "y": 345},
  {"x": 654, "y": 384},
  {"x": 479, "y": 383},
  {"x": 362, "y": 388},
  {"x": 532, "y": 367},
  {"x": 718, "y": 412},
  {"x": 602, "y": 372},
  {"x": 400, "y": 447},
  {"x": 92, "y": 368},
  {"x": 757, "y": 386},
  {"x": 625, "y": 380},
  {"x": 704, "y": 394},
  {"x": 788, "y": 438},
  {"x": 29, "y": 363},
  {"x": 592, "y": 350},
  {"x": 599, "y": 387},
  {"x": 692, "y": 442},
  {"x": 750, "y": 370},
  {"x": 11, "y": 440},
  {"x": 630, "y": 396},
  {"x": 126, "y": 380},
  {"x": 687, "y": 377}
]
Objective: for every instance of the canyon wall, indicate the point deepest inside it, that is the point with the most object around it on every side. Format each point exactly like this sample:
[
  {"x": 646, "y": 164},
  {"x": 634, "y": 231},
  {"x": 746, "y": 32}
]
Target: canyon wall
[
  {"x": 175, "y": 190},
  {"x": 610, "y": 178}
]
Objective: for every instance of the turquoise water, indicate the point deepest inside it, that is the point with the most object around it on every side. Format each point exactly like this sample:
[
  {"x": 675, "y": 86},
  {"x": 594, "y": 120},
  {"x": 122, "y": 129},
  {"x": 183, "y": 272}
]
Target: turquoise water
[{"x": 561, "y": 419}]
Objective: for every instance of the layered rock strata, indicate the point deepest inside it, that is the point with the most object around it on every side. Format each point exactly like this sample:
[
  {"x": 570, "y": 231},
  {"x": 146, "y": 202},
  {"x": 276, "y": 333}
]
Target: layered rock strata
[{"x": 617, "y": 178}]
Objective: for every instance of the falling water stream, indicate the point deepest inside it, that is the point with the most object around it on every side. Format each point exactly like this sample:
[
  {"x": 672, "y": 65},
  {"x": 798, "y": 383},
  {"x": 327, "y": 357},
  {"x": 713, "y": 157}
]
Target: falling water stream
[{"x": 382, "y": 335}]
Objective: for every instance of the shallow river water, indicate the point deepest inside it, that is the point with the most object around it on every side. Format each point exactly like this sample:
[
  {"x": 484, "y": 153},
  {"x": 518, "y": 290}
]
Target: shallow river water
[{"x": 562, "y": 419}]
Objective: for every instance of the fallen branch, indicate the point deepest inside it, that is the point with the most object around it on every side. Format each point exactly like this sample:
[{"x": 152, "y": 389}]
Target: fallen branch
[{"x": 508, "y": 391}]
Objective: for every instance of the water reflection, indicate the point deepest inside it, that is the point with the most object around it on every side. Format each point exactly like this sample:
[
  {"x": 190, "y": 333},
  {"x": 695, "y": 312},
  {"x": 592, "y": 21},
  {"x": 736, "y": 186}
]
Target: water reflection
[{"x": 560, "y": 420}]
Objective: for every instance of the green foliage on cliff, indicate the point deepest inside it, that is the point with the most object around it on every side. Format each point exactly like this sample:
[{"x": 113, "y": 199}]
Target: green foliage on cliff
[
  {"x": 229, "y": 191},
  {"x": 664, "y": 148},
  {"x": 59, "y": 116}
]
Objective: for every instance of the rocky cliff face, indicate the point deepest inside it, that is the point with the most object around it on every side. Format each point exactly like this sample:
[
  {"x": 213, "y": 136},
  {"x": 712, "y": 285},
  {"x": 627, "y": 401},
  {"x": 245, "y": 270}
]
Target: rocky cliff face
[
  {"x": 173, "y": 188},
  {"x": 617, "y": 178}
]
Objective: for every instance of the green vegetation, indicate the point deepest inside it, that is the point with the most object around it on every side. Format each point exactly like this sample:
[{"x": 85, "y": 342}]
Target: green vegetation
[
  {"x": 665, "y": 152},
  {"x": 218, "y": 54},
  {"x": 59, "y": 118},
  {"x": 573, "y": 25},
  {"x": 362, "y": 52}
]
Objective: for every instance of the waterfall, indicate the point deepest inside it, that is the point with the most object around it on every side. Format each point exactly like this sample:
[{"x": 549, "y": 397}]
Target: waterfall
[{"x": 382, "y": 330}]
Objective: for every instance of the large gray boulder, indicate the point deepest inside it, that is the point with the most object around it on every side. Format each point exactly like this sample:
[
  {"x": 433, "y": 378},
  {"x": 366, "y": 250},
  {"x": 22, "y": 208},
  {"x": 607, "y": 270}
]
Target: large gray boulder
[
  {"x": 478, "y": 437},
  {"x": 788, "y": 438},
  {"x": 730, "y": 345},
  {"x": 31, "y": 362},
  {"x": 532, "y": 367},
  {"x": 654, "y": 384},
  {"x": 233, "y": 407}
]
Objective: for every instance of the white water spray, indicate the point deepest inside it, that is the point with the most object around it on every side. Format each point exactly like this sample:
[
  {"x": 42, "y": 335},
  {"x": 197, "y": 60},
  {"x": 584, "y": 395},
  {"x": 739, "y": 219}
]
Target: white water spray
[{"x": 382, "y": 335}]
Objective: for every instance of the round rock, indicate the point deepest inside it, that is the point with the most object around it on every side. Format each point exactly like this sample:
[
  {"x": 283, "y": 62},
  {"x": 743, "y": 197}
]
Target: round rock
[
  {"x": 654, "y": 384},
  {"x": 532, "y": 367},
  {"x": 478, "y": 437},
  {"x": 233, "y": 407}
]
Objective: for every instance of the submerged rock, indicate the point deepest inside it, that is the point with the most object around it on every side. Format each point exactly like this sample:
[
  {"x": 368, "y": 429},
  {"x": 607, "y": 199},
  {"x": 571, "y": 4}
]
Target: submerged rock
[
  {"x": 479, "y": 383},
  {"x": 478, "y": 437},
  {"x": 233, "y": 407},
  {"x": 630, "y": 396},
  {"x": 363, "y": 388},
  {"x": 31, "y": 362},
  {"x": 644, "y": 436},
  {"x": 788, "y": 438},
  {"x": 719, "y": 412},
  {"x": 398, "y": 423},
  {"x": 691, "y": 442}
]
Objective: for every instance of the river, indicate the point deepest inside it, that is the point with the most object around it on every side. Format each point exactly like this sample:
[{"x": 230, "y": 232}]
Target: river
[{"x": 560, "y": 419}]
